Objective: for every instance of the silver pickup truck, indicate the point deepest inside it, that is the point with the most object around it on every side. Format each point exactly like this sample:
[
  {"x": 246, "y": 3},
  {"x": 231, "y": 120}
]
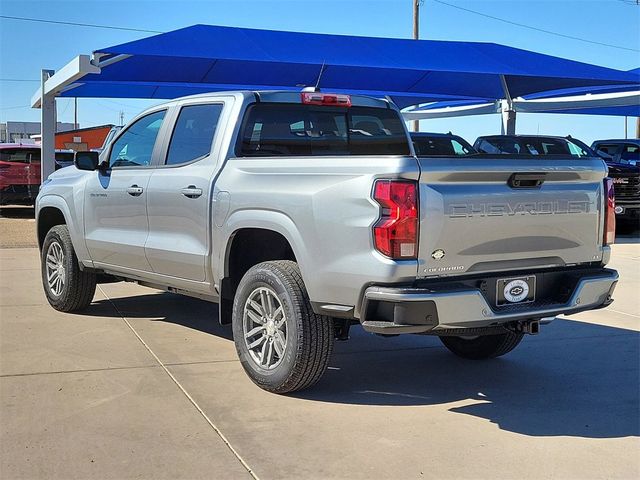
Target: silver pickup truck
[{"x": 301, "y": 214}]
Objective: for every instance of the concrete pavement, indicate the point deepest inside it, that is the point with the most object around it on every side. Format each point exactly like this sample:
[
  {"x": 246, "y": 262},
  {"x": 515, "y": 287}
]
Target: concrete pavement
[{"x": 147, "y": 385}]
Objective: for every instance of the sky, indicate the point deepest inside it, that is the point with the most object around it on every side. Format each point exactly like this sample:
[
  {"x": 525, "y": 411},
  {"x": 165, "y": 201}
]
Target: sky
[{"x": 27, "y": 47}]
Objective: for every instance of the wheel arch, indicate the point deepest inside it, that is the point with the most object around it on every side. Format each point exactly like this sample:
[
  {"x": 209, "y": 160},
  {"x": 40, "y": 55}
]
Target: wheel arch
[
  {"x": 250, "y": 242},
  {"x": 53, "y": 210}
]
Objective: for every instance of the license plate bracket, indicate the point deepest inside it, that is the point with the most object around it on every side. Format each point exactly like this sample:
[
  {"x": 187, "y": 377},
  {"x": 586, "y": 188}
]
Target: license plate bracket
[{"x": 515, "y": 290}]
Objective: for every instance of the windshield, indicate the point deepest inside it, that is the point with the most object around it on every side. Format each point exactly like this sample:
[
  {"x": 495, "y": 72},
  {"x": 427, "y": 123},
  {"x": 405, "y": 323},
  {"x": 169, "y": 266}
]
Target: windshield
[
  {"x": 64, "y": 157},
  {"x": 433, "y": 146},
  {"x": 20, "y": 155},
  {"x": 530, "y": 146},
  {"x": 272, "y": 129}
]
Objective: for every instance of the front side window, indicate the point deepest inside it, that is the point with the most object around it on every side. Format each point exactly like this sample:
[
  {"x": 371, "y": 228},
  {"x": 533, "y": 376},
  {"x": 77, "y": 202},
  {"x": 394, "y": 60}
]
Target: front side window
[
  {"x": 273, "y": 129},
  {"x": 193, "y": 134},
  {"x": 134, "y": 148}
]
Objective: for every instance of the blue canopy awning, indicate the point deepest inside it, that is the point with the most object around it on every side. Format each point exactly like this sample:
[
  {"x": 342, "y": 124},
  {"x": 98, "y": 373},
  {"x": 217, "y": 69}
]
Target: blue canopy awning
[{"x": 205, "y": 58}]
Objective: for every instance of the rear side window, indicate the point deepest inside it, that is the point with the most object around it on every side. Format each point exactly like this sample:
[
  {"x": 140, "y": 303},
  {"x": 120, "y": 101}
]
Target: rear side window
[
  {"x": 436, "y": 146},
  {"x": 20, "y": 155},
  {"x": 272, "y": 129},
  {"x": 193, "y": 134}
]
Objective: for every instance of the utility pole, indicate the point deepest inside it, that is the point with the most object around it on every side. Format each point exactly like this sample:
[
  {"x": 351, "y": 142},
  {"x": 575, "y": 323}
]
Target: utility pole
[
  {"x": 625, "y": 128},
  {"x": 416, "y": 36},
  {"x": 75, "y": 113},
  {"x": 121, "y": 118}
]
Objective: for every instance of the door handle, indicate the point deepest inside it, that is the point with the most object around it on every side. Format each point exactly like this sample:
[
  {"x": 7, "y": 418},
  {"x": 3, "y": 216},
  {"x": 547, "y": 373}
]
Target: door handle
[
  {"x": 135, "y": 190},
  {"x": 191, "y": 191}
]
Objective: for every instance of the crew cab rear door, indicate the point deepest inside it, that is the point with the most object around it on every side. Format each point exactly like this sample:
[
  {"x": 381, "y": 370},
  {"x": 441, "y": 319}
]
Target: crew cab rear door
[
  {"x": 180, "y": 191},
  {"x": 485, "y": 214}
]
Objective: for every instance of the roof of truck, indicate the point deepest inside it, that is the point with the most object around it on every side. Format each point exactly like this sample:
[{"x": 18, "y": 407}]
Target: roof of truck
[
  {"x": 619, "y": 140},
  {"x": 285, "y": 96}
]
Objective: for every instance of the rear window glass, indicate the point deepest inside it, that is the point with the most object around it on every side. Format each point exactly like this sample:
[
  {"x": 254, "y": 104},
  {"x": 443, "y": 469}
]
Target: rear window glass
[
  {"x": 64, "y": 156},
  {"x": 20, "y": 155},
  {"x": 272, "y": 129},
  {"x": 610, "y": 150},
  {"x": 531, "y": 146}
]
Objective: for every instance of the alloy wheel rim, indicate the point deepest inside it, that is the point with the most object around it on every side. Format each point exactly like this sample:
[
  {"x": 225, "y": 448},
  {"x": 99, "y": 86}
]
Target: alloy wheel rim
[
  {"x": 264, "y": 328},
  {"x": 56, "y": 274}
]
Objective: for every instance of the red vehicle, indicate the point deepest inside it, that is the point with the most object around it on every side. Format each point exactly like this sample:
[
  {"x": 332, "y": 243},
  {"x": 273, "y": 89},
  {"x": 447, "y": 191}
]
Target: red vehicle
[{"x": 19, "y": 173}]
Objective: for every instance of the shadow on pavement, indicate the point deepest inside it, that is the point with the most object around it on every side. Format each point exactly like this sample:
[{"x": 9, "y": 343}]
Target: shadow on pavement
[
  {"x": 574, "y": 379},
  {"x": 17, "y": 211},
  {"x": 578, "y": 379},
  {"x": 166, "y": 307}
]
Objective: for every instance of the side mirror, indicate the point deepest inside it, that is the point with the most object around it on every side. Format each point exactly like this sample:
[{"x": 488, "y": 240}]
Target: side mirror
[{"x": 86, "y": 160}]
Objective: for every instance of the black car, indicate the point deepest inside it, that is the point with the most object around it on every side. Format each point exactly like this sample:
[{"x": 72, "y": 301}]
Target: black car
[
  {"x": 531, "y": 145},
  {"x": 623, "y": 169},
  {"x": 440, "y": 144},
  {"x": 623, "y": 159}
]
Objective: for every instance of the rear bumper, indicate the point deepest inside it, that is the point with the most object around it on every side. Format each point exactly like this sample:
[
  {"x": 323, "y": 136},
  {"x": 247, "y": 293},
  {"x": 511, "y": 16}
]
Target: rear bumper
[{"x": 393, "y": 310}]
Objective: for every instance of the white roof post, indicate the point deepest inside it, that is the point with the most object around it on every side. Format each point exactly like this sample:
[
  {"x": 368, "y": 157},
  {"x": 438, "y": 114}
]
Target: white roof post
[
  {"x": 508, "y": 118},
  {"x": 508, "y": 110},
  {"x": 48, "y": 121}
]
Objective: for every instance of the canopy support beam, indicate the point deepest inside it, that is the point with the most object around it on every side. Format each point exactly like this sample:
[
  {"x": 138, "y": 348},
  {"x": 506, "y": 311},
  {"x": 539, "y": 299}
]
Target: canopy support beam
[
  {"x": 508, "y": 110},
  {"x": 48, "y": 123},
  {"x": 51, "y": 85}
]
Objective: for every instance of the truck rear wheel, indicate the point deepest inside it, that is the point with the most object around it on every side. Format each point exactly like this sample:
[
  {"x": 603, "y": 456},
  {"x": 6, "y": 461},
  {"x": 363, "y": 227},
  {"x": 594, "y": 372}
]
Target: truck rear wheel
[
  {"x": 68, "y": 289},
  {"x": 282, "y": 344},
  {"x": 484, "y": 347}
]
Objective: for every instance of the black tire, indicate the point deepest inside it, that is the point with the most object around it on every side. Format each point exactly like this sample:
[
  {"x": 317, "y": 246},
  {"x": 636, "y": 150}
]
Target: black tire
[
  {"x": 309, "y": 337},
  {"x": 484, "y": 347},
  {"x": 79, "y": 286}
]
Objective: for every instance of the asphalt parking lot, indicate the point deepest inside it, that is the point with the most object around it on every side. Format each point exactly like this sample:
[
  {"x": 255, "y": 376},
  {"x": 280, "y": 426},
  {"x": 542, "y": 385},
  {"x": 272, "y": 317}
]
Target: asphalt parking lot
[{"x": 147, "y": 385}]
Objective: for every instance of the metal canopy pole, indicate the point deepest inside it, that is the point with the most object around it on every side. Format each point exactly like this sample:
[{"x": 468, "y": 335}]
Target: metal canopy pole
[
  {"x": 508, "y": 110},
  {"x": 416, "y": 36},
  {"x": 48, "y": 122}
]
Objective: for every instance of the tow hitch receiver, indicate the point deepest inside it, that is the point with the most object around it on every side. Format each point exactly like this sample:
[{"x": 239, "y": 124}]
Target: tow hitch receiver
[{"x": 531, "y": 327}]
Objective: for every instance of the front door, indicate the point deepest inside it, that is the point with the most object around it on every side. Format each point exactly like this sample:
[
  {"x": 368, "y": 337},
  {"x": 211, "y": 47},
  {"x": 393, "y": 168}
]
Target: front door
[
  {"x": 179, "y": 196},
  {"x": 115, "y": 215}
]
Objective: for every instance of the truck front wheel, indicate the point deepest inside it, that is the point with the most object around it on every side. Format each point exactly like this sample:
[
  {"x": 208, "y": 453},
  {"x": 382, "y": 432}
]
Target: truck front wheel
[
  {"x": 282, "y": 344},
  {"x": 67, "y": 288},
  {"x": 484, "y": 347}
]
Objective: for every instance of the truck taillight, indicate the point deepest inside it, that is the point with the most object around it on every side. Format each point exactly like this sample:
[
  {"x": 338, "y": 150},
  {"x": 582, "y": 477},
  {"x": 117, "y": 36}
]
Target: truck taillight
[
  {"x": 330, "y": 99},
  {"x": 609, "y": 213},
  {"x": 395, "y": 234}
]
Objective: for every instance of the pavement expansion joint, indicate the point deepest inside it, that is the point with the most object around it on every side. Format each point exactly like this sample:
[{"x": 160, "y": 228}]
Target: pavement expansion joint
[
  {"x": 82, "y": 370},
  {"x": 182, "y": 389}
]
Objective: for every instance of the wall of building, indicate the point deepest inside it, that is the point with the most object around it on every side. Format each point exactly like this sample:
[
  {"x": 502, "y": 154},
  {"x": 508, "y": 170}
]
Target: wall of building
[
  {"x": 82, "y": 139},
  {"x": 11, "y": 132}
]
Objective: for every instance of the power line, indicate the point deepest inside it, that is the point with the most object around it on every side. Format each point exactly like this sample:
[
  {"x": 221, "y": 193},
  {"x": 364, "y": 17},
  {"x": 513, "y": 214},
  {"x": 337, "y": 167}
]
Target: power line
[
  {"x": 536, "y": 28},
  {"x": 17, "y": 80},
  {"x": 13, "y": 108},
  {"x": 78, "y": 24}
]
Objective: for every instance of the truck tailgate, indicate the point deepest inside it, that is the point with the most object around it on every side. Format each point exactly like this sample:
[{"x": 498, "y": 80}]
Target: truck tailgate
[{"x": 475, "y": 219}]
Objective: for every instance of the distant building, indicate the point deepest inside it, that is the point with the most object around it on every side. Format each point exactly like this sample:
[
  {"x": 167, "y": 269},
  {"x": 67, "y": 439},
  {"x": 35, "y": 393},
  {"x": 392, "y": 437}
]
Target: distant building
[
  {"x": 82, "y": 139},
  {"x": 12, "y": 132}
]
